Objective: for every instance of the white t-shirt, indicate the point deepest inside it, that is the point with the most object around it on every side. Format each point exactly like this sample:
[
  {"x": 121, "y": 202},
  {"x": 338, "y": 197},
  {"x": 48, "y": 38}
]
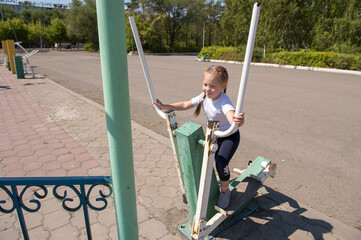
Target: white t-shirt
[{"x": 216, "y": 110}]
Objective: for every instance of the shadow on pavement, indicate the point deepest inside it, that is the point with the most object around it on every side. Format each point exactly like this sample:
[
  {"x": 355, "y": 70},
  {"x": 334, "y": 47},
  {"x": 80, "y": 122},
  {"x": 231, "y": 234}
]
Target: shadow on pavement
[
  {"x": 278, "y": 217},
  {"x": 5, "y": 87}
]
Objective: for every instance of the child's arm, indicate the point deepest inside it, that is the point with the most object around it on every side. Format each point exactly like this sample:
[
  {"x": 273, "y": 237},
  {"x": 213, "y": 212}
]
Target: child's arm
[
  {"x": 175, "y": 106},
  {"x": 238, "y": 120}
]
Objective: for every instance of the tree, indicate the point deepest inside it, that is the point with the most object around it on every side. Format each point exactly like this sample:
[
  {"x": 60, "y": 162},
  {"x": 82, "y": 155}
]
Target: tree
[
  {"x": 55, "y": 13},
  {"x": 26, "y": 15},
  {"x": 7, "y": 12},
  {"x": 41, "y": 15},
  {"x": 34, "y": 34},
  {"x": 288, "y": 23},
  {"x": 5, "y": 31},
  {"x": 213, "y": 13},
  {"x": 82, "y": 21},
  {"x": 177, "y": 12},
  {"x": 19, "y": 29},
  {"x": 235, "y": 21},
  {"x": 338, "y": 26},
  {"x": 57, "y": 31},
  {"x": 132, "y": 6}
]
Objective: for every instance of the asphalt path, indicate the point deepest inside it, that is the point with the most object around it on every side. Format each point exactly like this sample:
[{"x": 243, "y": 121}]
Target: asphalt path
[{"x": 307, "y": 122}]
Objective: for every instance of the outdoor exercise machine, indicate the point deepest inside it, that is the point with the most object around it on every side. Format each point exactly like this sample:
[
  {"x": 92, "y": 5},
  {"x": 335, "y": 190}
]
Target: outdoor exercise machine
[
  {"x": 194, "y": 155},
  {"x": 27, "y": 64}
]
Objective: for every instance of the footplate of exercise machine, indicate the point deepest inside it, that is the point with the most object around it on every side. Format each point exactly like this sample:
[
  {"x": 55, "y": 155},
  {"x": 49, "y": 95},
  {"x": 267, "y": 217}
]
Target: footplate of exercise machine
[
  {"x": 239, "y": 207},
  {"x": 241, "y": 195},
  {"x": 186, "y": 228},
  {"x": 243, "y": 189}
]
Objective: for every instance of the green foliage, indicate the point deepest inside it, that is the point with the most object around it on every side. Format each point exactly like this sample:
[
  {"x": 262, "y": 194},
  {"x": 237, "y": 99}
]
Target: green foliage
[
  {"x": 91, "y": 47},
  {"x": 20, "y": 29},
  {"x": 235, "y": 21},
  {"x": 186, "y": 47},
  {"x": 314, "y": 59},
  {"x": 7, "y": 13},
  {"x": 189, "y": 25},
  {"x": 216, "y": 52},
  {"x": 6, "y": 31},
  {"x": 34, "y": 35},
  {"x": 26, "y": 16},
  {"x": 302, "y": 58},
  {"x": 319, "y": 59},
  {"x": 82, "y": 21},
  {"x": 57, "y": 31},
  {"x": 41, "y": 15},
  {"x": 230, "y": 53}
]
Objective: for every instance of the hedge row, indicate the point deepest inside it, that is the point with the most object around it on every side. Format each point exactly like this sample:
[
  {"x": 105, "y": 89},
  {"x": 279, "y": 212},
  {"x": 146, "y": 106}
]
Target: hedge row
[{"x": 302, "y": 58}]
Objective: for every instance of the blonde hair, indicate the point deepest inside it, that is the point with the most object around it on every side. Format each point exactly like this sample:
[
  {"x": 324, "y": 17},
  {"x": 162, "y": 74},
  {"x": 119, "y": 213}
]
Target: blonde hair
[{"x": 222, "y": 76}]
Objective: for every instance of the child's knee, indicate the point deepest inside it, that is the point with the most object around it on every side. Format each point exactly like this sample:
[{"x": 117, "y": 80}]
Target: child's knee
[{"x": 223, "y": 170}]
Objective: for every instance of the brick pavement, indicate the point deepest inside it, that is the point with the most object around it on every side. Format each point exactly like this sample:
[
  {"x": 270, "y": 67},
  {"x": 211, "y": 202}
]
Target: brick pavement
[{"x": 48, "y": 130}]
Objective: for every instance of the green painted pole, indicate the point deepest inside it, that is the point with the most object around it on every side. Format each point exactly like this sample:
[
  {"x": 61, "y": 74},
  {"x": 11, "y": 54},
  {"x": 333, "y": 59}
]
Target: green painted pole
[{"x": 113, "y": 56}]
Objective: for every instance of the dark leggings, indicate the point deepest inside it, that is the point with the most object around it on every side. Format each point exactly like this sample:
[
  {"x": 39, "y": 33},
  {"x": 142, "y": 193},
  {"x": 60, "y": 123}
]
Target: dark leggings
[{"x": 226, "y": 148}]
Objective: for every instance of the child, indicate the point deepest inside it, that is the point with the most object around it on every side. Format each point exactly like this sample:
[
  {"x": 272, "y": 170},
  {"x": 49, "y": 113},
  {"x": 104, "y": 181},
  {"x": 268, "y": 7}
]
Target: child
[{"x": 217, "y": 107}]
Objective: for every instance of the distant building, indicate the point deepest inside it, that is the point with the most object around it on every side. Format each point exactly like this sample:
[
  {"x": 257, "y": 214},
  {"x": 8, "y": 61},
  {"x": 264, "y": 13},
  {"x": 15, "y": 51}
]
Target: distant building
[{"x": 19, "y": 5}]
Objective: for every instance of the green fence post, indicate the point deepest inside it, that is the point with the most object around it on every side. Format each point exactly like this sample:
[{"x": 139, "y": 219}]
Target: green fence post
[
  {"x": 19, "y": 67},
  {"x": 113, "y": 56}
]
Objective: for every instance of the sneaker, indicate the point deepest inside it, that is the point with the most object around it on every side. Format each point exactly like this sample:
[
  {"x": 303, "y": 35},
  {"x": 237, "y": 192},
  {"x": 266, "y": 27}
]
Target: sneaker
[{"x": 224, "y": 199}]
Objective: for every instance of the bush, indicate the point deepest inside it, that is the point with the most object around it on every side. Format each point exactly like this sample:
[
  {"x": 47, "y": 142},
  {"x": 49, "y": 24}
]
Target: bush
[
  {"x": 216, "y": 52},
  {"x": 301, "y": 58},
  {"x": 91, "y": 47},
  {"x": 231, "y": 53},
  {"x": 318, "y": 59}
]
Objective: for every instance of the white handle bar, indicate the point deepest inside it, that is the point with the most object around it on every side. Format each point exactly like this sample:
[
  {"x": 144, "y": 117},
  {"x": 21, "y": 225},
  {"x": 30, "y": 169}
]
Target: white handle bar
[
  {"x": 144, "y": 65},
  {"x": 246, "y": 64}
]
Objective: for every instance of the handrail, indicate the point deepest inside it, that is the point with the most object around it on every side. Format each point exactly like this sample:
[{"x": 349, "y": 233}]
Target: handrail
[
  {"x": 246, "y": 65},
  {"x": 144, "y": 65},
  {"x": 30, "y": 53},
  {"x": 18, "y": 43}
]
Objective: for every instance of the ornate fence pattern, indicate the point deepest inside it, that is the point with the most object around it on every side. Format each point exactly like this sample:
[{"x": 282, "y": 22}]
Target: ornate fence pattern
[{"x": 19, "y": 194}]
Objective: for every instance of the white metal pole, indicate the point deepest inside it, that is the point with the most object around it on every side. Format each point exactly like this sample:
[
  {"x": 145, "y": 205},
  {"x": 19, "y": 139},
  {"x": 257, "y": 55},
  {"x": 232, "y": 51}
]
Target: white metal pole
[
  {"x": 144, "y": 65},
  {"x": 245, "y": 71},
  {"x": 18, "y": 43},
  {"x": 210, "y": 148}
]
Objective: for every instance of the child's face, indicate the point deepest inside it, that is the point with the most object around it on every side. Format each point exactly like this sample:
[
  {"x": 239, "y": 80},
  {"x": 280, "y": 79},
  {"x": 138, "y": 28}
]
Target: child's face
[{"x": 212, "y": 86}]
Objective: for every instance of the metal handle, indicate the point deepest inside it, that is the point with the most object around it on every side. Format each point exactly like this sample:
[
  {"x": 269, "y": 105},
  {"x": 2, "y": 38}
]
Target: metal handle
[
  {"x": 246, "y": 65},
  {"x": 144, "y": 65}
]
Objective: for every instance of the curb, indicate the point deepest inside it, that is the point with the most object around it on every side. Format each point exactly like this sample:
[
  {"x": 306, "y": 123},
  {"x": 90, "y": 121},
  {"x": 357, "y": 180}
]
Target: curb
[{"x": 330, "y": 70}]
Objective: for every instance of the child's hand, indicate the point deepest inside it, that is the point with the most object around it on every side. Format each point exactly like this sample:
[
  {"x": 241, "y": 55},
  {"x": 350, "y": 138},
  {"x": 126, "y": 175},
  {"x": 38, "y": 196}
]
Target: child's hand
[
  {"x": 159, "y": 104},
  {"x": 239, "y": 120}
]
